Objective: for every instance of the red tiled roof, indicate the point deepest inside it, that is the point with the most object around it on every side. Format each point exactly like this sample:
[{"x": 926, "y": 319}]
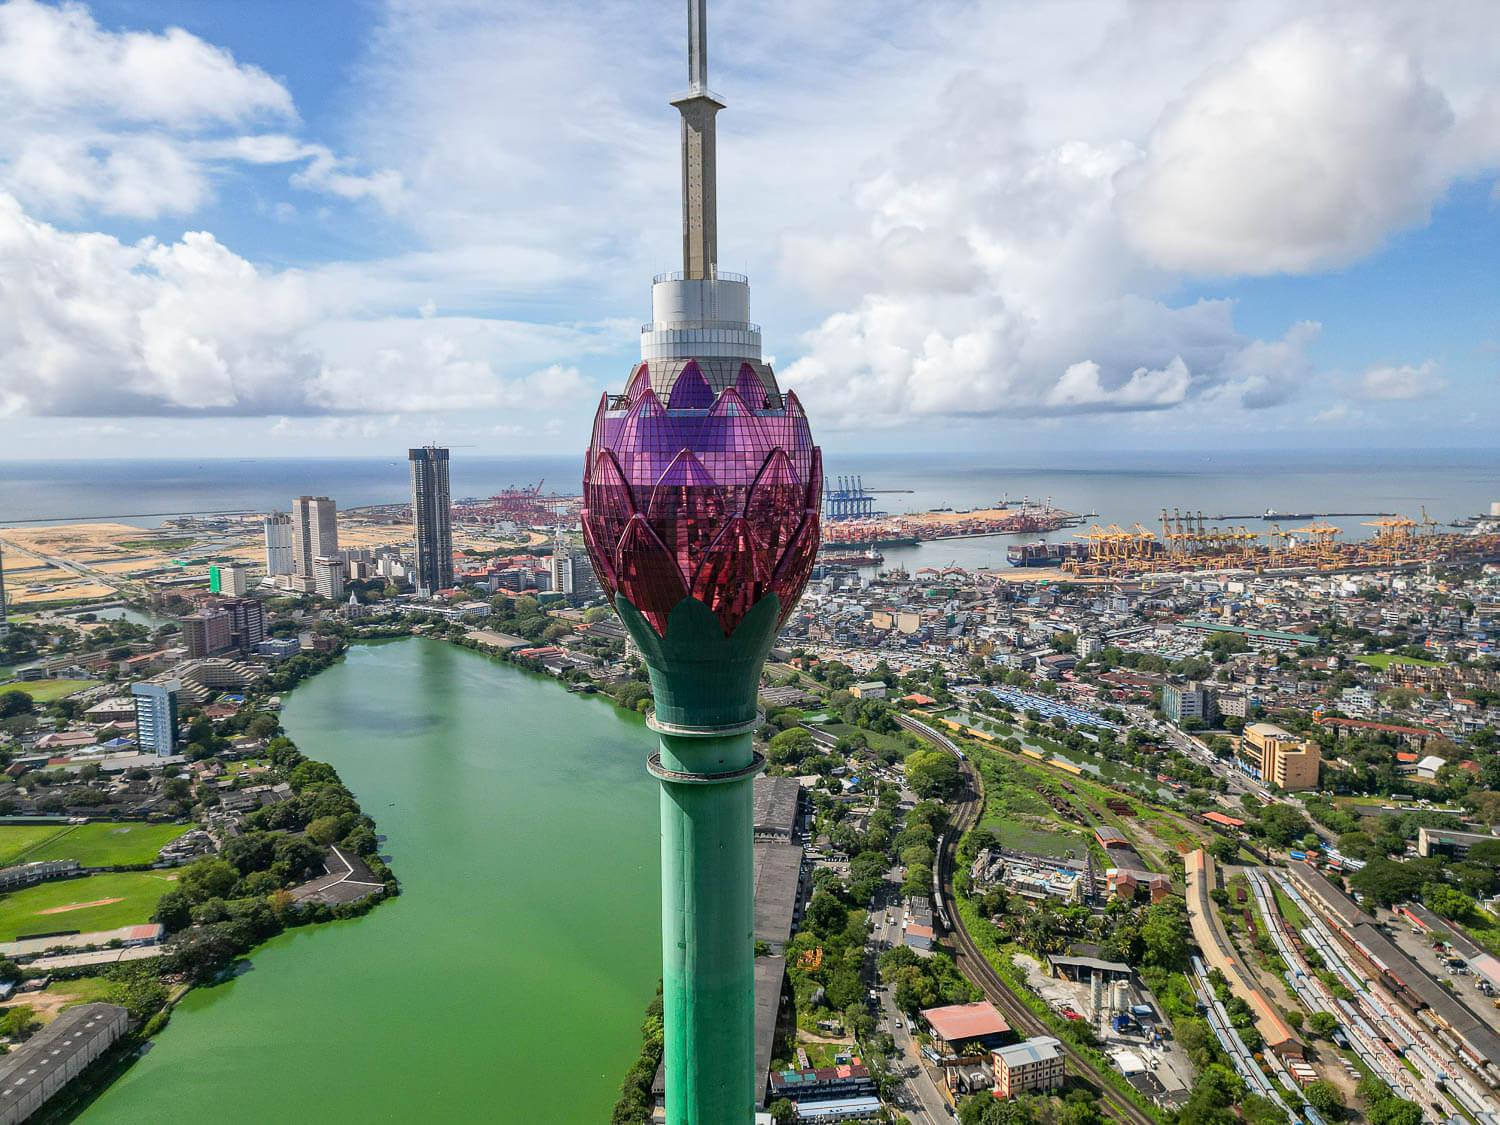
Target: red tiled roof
[{"x": 957, "y": 1022}]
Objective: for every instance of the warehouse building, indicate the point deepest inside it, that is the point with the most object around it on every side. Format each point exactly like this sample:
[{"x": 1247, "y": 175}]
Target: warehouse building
[{"x": 34, "y": 1072}]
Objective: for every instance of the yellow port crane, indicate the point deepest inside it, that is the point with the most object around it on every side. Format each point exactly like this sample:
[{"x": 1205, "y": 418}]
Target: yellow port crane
[
  {"x": 1172, "y": 534},
  {"x": 1321, "y": 534},
  {"x": 1392, "y": 529},
  {"x": 1144, "y": 542},
  {"x": 1429, "y": 524}
]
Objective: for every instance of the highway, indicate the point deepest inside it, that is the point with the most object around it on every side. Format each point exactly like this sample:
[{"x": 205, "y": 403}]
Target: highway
[{"x": 972, "y": 963}]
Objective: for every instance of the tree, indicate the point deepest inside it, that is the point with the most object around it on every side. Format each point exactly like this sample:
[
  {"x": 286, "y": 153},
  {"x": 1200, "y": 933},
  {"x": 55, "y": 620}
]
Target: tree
[
  {"x": 13, "y": 703},
  {"x": 1447, "y": 901},
  {"x": 791, "y": 747},
  {"x": 1325, "y": 1097},
  {"x": 1164, "y": 934},
  {"x": 826, "y": 915},
  {"x": 783, "y": 1111},
  {"x": 207, "y": 878},
  {"x": 1322, "y": 1024},
  {"x": 18, "y": 1022},
  {"x": 1394, "y": 1111},
  {"x": 1388, "y": 881},
  {"x": 931, "y": 773},
  {"x": 325, "y": 830}
]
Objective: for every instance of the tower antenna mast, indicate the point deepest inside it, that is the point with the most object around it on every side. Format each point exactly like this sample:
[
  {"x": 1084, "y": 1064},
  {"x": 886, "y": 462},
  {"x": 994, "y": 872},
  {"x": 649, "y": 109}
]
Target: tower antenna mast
[{"x": 700, "y": 221}]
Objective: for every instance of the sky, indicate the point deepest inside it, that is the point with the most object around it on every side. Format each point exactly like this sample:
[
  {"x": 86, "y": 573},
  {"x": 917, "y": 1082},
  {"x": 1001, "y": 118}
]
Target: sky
[{"x": 344, "y": 228}]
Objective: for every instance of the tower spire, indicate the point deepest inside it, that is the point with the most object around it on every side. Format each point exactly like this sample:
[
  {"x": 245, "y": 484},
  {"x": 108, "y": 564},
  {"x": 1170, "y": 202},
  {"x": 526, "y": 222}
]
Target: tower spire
[{"x": 700, "y": 224}]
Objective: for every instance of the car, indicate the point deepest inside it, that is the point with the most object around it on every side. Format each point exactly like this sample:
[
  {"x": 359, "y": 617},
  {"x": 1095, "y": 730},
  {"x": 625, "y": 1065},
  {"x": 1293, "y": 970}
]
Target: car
[{"x": 898, "y": 1024}]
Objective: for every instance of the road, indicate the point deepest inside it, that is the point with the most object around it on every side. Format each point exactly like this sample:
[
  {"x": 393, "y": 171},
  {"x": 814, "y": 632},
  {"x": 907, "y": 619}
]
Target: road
[{"x": 919, "y": 1098}]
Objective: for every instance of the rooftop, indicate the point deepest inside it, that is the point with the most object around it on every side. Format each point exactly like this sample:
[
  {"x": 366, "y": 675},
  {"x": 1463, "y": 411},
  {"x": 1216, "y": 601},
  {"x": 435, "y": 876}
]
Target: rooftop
[
  {"x": 958, "y": 1022},
  {"x": 1040, "y": 1049}
]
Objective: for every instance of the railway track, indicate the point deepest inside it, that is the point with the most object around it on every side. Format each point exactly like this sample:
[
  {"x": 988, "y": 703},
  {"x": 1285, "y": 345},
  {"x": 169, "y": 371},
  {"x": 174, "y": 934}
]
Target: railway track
[{"x": 971, "y": 962}]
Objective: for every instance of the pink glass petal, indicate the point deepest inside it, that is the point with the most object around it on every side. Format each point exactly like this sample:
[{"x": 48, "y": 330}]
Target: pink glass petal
[
  {"x": 639, "y": 383},
  {"x": 814, "y": 500}
]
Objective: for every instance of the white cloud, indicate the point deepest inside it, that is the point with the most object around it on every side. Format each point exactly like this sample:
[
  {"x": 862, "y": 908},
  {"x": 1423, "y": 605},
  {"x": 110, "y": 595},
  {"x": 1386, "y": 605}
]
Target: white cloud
[
  {"x": 1388, "y": 383},
  {"x": 1080, "y": 387},
  {"x": 130, "y": 123},
  {"x": 1304, "y": 152},
  {"x": 95, "y": 327}
]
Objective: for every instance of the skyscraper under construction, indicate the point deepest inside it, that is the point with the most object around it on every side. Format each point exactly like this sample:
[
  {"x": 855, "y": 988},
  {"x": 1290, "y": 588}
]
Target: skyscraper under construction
[{"x": 431, "y": 512}]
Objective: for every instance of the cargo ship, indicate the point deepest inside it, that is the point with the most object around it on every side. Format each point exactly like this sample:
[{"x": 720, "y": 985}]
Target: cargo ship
[
  {"x": 1046, "y": 554},
  {"x": 871, "y": 557}
]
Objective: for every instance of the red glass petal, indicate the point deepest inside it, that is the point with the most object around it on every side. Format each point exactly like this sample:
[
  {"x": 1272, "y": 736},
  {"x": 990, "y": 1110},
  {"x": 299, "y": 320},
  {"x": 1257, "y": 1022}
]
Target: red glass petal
[
  {"x": 729, "y": 579},
  {"x": 610, "y": 501},
  {"x": 687, "y": 510},
  {"x": 774, "y": 508},
  {"x": 814, "y": 500},
  {"x": 604, "y": 566},
  {"x": 796, "y": 565},
  {"x": 648, "y": 574}
]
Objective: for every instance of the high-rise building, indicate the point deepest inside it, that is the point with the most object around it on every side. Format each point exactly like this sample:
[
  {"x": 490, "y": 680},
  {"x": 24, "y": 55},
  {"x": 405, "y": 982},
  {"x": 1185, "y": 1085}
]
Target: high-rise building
[
  {"x": 704, "y": 572},
  {"x": 247, "y": 622},
  {"x": 4, "y": 625},
  {"x": 280, "y": 556},
  {"x": 156, "y": 717},
  {"x": 1194, "y": 700},
  {"x": 561, "y": 567},
  {"x": 585, "y": 582},
  {"x": 315, "y": 532},
  {"x": 328, "y": 576},
  {"x": 431, "y": 512},
  {"x": 229, "y": 580},
  {"x": 207, "y": 632},
  {"x": 1284, "y": 759}
]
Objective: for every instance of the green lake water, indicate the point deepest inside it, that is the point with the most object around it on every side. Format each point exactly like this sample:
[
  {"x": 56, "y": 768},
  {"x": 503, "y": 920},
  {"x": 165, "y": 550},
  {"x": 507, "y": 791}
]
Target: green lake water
[{"x": 507, "y": 982}]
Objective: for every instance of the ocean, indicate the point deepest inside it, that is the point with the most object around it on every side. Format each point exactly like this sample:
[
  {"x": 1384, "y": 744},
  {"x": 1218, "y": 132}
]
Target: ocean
[{"x": 1123, "y": 487}]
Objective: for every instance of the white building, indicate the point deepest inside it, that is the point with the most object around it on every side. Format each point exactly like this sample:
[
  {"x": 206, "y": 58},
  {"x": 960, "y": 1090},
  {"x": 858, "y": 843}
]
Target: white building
[
  {"x": 280, "y": 558},
  {"x": 328, "y": 576}
]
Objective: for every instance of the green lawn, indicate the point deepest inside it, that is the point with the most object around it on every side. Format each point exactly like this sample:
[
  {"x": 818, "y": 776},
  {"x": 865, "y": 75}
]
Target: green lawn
[
  {"x": 84, "y": 990},
  {"x": 46, "y": 691},
  {"x": 21, "y": 911},
  {"x": 104, "y": 845},
  {"x": 1384, "y": 660},
  {"x": 18, "y": 839}
]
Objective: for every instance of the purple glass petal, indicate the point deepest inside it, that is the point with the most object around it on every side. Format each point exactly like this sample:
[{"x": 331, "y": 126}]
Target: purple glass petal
[
  {"x": 610, "y": 503},
  {"x": 796, "y": 565},
  {"x": 691, "y": 391},
  {"x": 774, "y": 508},
  {"x": 749, "y": 387}
]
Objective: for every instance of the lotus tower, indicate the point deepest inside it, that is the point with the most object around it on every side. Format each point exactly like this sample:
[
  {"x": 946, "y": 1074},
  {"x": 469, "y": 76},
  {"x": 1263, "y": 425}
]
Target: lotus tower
[{"x": 701, "y": 499}]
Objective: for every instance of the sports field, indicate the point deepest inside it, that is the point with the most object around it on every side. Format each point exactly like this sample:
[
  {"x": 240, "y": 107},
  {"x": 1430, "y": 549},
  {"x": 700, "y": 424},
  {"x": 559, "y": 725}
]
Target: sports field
[
  {"x": 16, "y": 840},
  {"x": 103, "y": 844},
  {"x": 46, "y": 691},
  {"x": 96, "y": 902},
  {"x": 1384, "y": 660}
]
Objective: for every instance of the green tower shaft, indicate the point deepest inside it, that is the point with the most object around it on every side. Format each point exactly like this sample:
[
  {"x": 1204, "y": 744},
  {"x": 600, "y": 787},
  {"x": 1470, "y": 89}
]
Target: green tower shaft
[
  {"x": 705, "y": 685},
  {"x": 708, "y": 941}
]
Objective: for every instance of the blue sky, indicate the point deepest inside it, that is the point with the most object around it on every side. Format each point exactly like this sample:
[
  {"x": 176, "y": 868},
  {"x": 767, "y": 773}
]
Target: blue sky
[{"x": 341, "y": 228}]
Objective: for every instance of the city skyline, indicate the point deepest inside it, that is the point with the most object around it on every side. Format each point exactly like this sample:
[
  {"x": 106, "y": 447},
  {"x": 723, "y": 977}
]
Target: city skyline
[{"x": 998, "y": 225}]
